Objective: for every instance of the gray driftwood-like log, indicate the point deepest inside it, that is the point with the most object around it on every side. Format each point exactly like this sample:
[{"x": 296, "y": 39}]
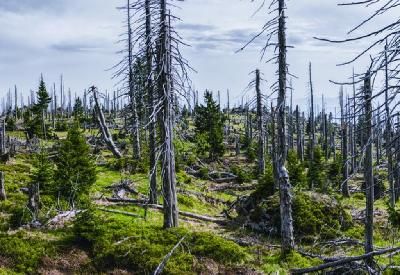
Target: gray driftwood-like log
[
  {"x": 105, "y": 132},
  {"x": 344, "y": 261}
]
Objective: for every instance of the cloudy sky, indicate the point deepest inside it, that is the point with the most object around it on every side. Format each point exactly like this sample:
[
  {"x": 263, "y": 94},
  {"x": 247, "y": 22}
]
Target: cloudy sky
[{"x": 78, "y": 39}]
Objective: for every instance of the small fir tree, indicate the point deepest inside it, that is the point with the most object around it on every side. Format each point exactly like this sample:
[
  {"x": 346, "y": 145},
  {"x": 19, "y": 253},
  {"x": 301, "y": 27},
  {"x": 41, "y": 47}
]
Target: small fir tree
[{"x": 76, "y": 170}]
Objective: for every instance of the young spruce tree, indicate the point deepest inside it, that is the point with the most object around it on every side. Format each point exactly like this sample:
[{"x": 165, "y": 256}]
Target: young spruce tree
[
  {"x": 76, "y": 170},
  {"x": 209, "y": 122}
]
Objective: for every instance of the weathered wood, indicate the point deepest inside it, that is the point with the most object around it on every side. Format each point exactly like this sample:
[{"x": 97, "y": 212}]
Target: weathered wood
[
  {"x": 368, "y": 168},
  {"x": 161, "y": 208},
  {"x": 344, "y": 185},
  {"x": 284, "y": 183},
  {"x": 260, "y": 122},
  {"x": 344, "y": 261},
  {"x": 163, "y": 263},
  {"x": 105, "y": 132},
  {"x": 3, "y": 195}
]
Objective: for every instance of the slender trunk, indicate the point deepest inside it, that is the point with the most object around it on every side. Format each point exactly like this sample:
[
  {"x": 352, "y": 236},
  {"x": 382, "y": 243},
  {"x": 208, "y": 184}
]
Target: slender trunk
[
  {"x": 150, "y": 97},
  {"x": 312, "y": 126},
  {"x": 345, "y": 165},
  {"x": 261, "y": 147},
  {"x": 166, "y": 94},
  {"x": 284, "y": 183},
  {"x": 3, "y": 195},
  {"x": 388, "y": 136},
  {"x": 299, "y": 135},
  {"x": 132, "y": 93},
  {"x": 368, "y": 169}
]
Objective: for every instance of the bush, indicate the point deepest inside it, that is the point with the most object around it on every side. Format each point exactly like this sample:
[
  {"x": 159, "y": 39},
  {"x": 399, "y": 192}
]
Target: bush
[
  {"x": 143, "y": 246},
  {"x": 313, "y": 214},
  {"x": 24, "y": 252},
  {"x": 242, "y": 175}
]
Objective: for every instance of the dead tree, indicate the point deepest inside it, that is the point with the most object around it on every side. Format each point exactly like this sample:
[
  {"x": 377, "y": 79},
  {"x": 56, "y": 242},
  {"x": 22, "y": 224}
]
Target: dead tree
[
  {"x": 132, "y": 92},
  {"x": 150, "y": 97},
  {"x": 345, "y": 166},
  {"x": 299, "y": 141},
  {"x": 261, "y": 146},
  {"x": 164, "y": 86},
  {"x": 105, "y": 132},
  {"x": 276, "y": 28},
  {"x": 368, "y": 168},
  {"x": 312, "y": 125},
  {"x": 3, "y": 137},
  {"x": 3, "y": 195}
]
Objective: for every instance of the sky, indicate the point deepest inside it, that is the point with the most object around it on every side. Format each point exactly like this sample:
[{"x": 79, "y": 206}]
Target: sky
[{"x": 78, "y": 39}]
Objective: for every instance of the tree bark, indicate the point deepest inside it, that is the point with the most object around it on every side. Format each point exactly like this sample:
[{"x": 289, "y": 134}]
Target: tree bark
[
  {"x": 368, "y": 169},
  {"x": 284, "y": 183},
  {"x": 3, "y": 195},
  {"x": 103, "y": 127},
  {"x": 345, "y": 166},
  {"x": 168, "y": 157},
  {"x": 150, "y": 96},
  {"x": 261, "y": 146},
  {"x": 312, "y": 126}
]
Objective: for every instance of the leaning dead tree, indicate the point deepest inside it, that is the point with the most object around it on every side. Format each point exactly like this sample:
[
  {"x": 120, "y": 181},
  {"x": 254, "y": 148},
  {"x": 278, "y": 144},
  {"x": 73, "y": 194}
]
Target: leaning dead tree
[
  {"x": 275, "y": 29},
  {"x": 105, "y": 132}
]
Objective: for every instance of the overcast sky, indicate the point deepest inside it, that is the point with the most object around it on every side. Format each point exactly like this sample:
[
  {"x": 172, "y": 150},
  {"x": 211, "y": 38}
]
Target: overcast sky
[{"x": 77, "y": 38}]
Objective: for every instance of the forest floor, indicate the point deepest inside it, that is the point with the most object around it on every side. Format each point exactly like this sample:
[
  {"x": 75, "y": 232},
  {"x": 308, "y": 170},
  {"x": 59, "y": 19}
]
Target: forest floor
[{"x": 136, "y": 243}]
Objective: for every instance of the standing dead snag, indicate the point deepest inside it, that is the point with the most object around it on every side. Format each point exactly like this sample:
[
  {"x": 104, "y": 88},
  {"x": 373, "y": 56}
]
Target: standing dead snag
[
  {"x": 284, "y": 183},
  {"x": 3, "y": 195},
  {"x": 105, "y": 132},
  {"x": 132, "y": 92},
  {"x": 312, "y": 126},
  {"x": 368, "y": 168},
  {"x": 261, "y": 160},
  {"x": 3, "y": 137},
  {"x": 166, "y": 120},
  {"x": 345, "y": 166},
  {"x": 150, "y": 98}
]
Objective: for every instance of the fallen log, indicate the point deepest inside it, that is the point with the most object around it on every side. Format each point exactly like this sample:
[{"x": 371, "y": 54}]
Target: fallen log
[
  {"x": 161, "y": 266},
  {"x": 208, "y": 199},
  {"x": 161, "y": 208},
  {"x": 344, "y": 261},
  {"x": 235, "y": 187},
  {"x": 120, "y": 212}
]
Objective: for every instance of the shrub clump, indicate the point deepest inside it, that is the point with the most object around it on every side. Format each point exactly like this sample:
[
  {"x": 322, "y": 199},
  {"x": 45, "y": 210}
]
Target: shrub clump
[
  {"x": 139, "y": 247},
  {"x": 313, "y": 214}
]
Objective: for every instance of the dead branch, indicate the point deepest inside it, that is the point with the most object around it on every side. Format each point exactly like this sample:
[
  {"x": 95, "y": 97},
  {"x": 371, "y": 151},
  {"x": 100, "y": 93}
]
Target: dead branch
[{"x": 344, "y": 261}]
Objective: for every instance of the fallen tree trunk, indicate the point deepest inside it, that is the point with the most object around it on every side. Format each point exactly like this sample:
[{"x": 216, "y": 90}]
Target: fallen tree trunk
[
  {"x": 120, "y": 212},
  {"x": 201, "y": 195},
  {"x": 344, "y": 261},
  {"x": 141, "y": 203},
  {"x": 234, "y": 187},
  {"x": 161, "y": 266}
]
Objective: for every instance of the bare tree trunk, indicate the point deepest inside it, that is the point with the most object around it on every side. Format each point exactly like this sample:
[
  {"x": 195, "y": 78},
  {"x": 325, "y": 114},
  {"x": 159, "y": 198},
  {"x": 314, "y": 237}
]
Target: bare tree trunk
[
  {"x": 3, "y": 195},
  {"x": 299, "y": 135},
  {"x": 103, "y": 127},
  {"x": 132, "y": 93},
  {"x": 3, "y": 137},
  {"x": 34, "y": 201},
  {"x": 388, "y": 136},
  {"x": 368, "y": 169},
  {"x": 345, "y": 165},
  {"x": 284, "y": 183},
  {"x": 261, "y": 146},
  {"x": 312, "y": 126},
  {"x": 166, "y": 135},
  {"x": 150, "y": 96}
]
